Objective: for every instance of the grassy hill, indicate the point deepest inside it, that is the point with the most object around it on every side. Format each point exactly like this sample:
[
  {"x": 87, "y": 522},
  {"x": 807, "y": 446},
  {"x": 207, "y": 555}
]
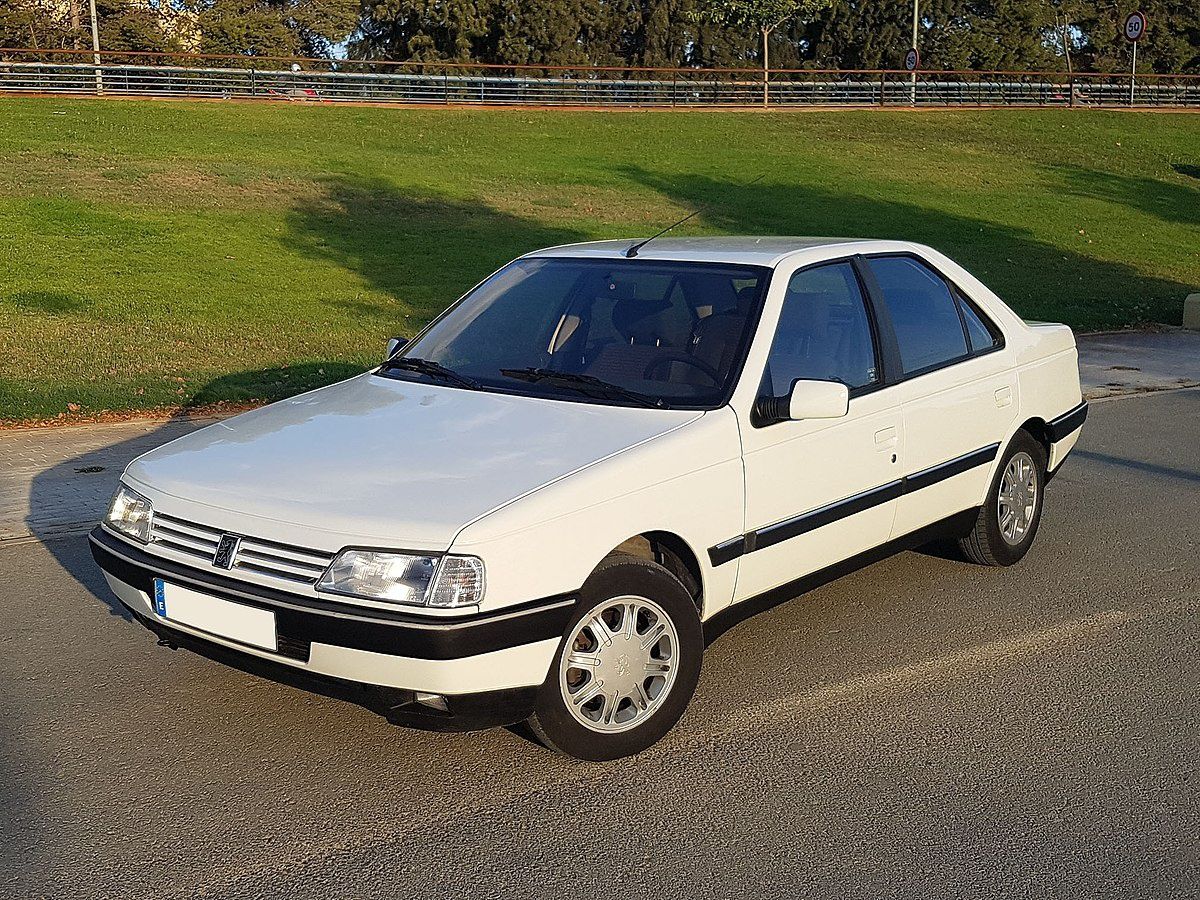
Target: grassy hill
[{"x": 171, "y": 254}]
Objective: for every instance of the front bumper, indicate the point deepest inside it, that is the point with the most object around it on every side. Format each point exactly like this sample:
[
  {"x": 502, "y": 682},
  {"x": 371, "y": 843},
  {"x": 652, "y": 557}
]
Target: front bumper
[{"x": 486, "y": 666}]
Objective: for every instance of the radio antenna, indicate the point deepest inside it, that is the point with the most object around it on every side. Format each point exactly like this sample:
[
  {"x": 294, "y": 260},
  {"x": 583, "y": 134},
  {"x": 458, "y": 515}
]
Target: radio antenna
[{"x": 633, "y": 251}]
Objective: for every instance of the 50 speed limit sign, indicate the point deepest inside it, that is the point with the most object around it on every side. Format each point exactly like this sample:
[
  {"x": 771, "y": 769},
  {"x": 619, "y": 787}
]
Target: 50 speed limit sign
[
  {"x": 1135, "y": 26},
  {"x": 912, "y": 59}
]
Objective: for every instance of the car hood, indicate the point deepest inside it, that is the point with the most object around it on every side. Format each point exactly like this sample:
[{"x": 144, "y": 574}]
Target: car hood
[{"x": 384, "y": 461}]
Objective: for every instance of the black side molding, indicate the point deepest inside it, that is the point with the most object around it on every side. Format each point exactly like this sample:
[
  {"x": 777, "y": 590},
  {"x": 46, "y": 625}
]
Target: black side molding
[
  {"x": 826, "y": 515},
  {"x": 1068, "y": 423},
  {"x": 776, "y": 533}
]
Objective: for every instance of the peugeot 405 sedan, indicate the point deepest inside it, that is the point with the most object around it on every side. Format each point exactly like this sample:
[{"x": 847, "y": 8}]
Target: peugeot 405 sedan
[{"x": 540, "y": 506}]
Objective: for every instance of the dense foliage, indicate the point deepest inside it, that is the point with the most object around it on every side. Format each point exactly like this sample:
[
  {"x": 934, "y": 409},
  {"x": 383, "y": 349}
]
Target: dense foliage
[{"x": 954, "y": 34}]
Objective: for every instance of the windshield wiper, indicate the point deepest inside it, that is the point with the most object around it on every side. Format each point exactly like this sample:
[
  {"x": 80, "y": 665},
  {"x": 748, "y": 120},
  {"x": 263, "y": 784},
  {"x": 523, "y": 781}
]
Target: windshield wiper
[
  {"x": 431, "y": 368},
  {"x": 585, "y": 384}
]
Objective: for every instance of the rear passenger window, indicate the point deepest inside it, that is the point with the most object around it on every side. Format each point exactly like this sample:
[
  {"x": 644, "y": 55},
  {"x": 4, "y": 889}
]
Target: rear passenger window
[
  {"x": 982, "y": 338},
  {"x": 823, "y": 332},
  {"x": 924, "y": 313}
]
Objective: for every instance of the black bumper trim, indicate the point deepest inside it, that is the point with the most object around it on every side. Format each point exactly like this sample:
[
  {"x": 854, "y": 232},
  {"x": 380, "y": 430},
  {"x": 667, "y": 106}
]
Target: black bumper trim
[
  {"x": 464, "y": 712},
  {"x": 1068, "y": 423},
  {"x": 303, "y": 619}
]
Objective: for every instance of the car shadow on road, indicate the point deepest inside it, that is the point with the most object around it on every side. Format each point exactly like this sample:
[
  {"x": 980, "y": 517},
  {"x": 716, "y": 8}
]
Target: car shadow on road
[{"x": 1140, "y": 466}]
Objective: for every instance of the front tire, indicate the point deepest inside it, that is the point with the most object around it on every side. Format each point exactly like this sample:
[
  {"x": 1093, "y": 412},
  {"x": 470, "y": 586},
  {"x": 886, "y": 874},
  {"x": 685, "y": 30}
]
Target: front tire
[
  {"x": 1008, "y": 520},
  {"x": 627, "y": 666}
]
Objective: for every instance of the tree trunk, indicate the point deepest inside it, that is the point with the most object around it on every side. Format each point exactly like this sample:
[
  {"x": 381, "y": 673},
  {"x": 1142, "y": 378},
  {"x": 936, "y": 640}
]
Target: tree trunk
[
  {"x": 75, "y": 24},
  {"x": 766, "y": 70}
]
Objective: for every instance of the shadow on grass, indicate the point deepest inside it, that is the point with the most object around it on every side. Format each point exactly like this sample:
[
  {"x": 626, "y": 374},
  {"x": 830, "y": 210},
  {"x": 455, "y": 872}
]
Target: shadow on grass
[
  {"x": 269, "y": 384},
  {"x": 1165, "y": 200},
  {"x": 53, "y": 302},
  {"x": 1039, "y": 280},
  {"x": 423, "y": 250}
]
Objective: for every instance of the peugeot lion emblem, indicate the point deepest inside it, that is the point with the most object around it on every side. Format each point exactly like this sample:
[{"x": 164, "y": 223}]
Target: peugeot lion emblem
[{"x": 227, "y": 549}]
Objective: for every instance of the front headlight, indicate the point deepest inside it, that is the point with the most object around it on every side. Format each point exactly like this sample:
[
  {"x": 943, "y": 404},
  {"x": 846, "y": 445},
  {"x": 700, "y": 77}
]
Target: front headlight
[
  {"x": 130, "y": 513},
  {"x": 405, "y": 578}
]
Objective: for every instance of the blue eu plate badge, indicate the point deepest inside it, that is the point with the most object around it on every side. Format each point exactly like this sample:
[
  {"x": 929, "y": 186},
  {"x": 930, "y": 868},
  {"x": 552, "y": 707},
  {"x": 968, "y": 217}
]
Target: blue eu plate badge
[{"x": 160, "y": 599}]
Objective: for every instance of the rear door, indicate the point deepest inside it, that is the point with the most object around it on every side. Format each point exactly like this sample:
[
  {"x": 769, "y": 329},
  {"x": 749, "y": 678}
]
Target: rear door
[
  {"x": 818, "y": 491},
  {"x": 957, "y": 392}
]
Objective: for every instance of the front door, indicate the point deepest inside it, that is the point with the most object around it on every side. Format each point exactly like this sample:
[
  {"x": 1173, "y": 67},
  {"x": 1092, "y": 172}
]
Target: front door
[{"x": 819, "y": 491}]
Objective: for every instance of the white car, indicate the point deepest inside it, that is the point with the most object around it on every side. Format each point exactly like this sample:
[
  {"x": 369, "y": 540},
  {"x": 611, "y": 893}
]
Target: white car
[{"x": 540, "y": 507}]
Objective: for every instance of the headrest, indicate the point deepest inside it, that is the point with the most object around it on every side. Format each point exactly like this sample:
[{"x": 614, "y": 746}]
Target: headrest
[
  {"x": 633, "y": 318},
  {"x": 807, "y": 311}
]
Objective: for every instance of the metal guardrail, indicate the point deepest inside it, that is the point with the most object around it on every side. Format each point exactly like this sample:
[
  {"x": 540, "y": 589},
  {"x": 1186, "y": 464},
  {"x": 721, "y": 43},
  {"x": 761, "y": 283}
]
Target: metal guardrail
[{"x": 441, "y": 83}]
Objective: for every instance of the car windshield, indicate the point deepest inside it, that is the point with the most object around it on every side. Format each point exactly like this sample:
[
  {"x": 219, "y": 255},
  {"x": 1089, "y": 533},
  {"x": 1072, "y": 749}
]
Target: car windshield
[{"x": 627, "y": 331}]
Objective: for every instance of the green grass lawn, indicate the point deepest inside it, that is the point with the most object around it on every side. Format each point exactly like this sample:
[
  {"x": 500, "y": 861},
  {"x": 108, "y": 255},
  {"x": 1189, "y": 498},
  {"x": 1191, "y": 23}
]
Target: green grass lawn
[{"x": 171, "y": 254}]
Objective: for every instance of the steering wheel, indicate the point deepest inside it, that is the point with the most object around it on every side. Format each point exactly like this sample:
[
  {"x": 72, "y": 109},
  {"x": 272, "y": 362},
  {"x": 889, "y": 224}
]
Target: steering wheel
[{"x": 670, "y": 356}]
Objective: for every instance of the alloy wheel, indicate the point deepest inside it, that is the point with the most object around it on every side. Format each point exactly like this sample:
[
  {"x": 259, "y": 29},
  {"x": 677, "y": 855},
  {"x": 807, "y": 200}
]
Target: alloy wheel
[
  {"x": 1018, "y": 498},
  {"x": 619, "y": 664}
]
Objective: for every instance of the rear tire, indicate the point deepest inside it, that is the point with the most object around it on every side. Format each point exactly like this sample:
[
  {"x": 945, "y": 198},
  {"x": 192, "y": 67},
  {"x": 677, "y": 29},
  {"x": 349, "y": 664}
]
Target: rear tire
[
  {"x": 626, "y": 667},
  {"x": 1008, "y": 520}
]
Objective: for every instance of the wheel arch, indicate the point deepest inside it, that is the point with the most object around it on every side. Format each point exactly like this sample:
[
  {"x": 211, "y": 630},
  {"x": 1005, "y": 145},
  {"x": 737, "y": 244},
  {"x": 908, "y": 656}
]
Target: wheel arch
[
  {"x": 1039, "y": 430},
  {"x": 674, "y": 554}
]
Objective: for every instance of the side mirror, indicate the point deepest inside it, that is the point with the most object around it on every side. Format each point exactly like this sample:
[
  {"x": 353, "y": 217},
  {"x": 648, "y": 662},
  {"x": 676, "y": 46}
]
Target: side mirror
[
  {"x": 395, "y": 345},
  {"x": 806, "y": 400}
]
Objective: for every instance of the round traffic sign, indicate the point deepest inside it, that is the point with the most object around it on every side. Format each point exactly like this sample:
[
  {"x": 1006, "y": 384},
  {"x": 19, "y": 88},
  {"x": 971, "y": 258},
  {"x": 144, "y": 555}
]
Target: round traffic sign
[
  {"x": 912, "y": 59},
  {"x": 1135, "y": 26}
]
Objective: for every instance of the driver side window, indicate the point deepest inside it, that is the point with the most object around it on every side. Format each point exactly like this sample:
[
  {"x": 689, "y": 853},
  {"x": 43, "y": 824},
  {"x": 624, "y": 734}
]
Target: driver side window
[{"x": 823, "y": 333}]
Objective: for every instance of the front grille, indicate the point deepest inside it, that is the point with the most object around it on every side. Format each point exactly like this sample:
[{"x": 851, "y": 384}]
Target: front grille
[{"x": 284, "y": 562}]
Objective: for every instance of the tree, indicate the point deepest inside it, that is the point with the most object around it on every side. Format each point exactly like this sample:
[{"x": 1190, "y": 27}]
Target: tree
[
  {"x": 274, "y": 27},
  {"x": 762, "y": 15},
  {"x": 131, "y": 26},
  {"x": 1171, "y": 44},
  {"x": 424, "y": 30},
  {"x": 39, "y": 25}
]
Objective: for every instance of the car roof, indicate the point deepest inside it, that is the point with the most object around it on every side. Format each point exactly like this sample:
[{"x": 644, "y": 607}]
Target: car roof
[{"x": 745, "y": 250}]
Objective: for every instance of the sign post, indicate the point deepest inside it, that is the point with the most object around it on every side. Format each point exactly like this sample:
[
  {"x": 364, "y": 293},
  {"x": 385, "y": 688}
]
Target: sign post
[
  {"x": 917, "y": 57},
  {"x": 96, "y": 49},
  {"x": 912, "y": 62},
  {"x": 1135, "y": 29}
]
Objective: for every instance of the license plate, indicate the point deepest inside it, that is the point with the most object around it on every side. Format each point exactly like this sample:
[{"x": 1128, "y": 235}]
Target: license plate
[{"x": 235, "y": 621}]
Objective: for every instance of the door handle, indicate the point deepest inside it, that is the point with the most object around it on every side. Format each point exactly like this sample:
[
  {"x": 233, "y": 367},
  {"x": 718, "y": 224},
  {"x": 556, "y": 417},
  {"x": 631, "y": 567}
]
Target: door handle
[
  {"x": 1004, "y": 397},
  {"x": 885, "y": 438}
]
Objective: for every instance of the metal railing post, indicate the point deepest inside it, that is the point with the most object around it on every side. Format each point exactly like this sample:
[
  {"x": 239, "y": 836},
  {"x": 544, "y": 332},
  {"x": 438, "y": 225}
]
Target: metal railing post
[{"x": 96, "y": 49}]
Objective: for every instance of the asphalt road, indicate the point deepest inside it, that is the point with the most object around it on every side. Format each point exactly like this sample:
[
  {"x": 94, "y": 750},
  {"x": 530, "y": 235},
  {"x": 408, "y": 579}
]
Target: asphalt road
[{"x": 922, "y": 728}]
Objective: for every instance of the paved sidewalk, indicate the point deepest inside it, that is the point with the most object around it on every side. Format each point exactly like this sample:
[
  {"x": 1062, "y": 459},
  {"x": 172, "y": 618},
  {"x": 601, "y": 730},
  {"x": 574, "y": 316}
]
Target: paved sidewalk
[
  {"x": 56, "y": 481},
  {"x": 1134, "y": 361}
]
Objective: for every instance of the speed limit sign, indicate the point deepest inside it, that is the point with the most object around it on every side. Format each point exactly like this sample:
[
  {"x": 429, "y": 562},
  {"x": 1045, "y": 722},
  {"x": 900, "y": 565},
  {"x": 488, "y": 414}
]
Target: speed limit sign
[
  {"x": 912, "y": 59},
  {"x": 1135, "y": 26}
]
